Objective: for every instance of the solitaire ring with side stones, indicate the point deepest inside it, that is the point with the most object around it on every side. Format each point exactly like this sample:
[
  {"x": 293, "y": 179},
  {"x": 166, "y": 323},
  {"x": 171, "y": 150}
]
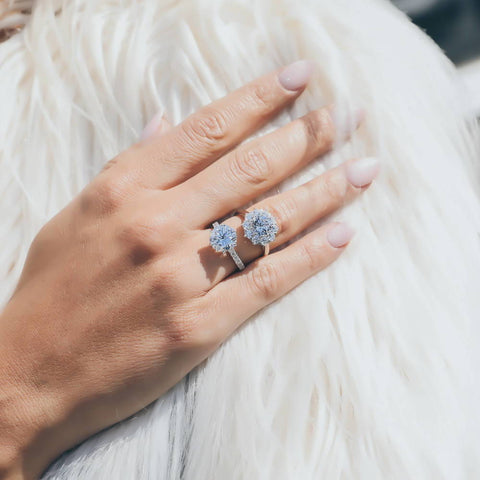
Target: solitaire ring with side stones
[
  {"x": 260, "y": 227},
  {"x": 223, "y": 238}
]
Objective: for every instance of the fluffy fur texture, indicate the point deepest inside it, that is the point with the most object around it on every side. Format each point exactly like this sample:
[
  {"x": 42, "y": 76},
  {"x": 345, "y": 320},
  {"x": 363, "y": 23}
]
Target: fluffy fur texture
[{"x": 369, "y": 370}]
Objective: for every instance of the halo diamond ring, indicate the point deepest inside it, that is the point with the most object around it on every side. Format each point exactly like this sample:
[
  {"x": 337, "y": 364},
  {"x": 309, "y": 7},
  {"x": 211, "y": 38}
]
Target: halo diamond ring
[
  {"x": 260, "y": 227},
  {"x": 223, "y": 238}
]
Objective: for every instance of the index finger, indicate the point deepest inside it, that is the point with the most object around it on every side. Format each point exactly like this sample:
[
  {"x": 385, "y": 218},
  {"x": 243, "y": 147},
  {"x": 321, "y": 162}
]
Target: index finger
[{"x": 217, "y": 127}]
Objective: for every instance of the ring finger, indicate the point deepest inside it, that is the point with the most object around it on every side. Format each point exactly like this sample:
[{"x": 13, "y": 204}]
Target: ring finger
[{"x": 294, "y": 211}]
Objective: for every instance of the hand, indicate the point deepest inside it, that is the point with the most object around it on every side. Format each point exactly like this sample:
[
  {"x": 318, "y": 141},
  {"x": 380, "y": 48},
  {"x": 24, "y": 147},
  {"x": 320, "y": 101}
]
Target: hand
[{"x": 122, "y": 295}]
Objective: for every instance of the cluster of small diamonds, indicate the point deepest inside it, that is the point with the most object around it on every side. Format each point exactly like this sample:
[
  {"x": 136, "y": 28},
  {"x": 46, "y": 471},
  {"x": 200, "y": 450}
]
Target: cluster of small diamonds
[
  {"x": 260, "y": 227},
  {"x": 222, "y": 238}
]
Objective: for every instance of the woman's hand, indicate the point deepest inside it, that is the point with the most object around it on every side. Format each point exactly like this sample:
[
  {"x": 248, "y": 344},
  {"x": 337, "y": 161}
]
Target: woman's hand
[{"x": 122, "y": 295}]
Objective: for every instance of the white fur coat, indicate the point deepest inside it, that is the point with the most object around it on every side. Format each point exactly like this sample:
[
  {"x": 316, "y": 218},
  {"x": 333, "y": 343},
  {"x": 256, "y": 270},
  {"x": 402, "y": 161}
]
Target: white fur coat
[{"x": 370, "y": 370}]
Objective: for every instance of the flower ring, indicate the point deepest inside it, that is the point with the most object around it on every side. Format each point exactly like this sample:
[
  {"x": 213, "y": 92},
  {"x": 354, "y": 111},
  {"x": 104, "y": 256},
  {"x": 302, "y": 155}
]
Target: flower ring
[{"x": 260, "y": 227}]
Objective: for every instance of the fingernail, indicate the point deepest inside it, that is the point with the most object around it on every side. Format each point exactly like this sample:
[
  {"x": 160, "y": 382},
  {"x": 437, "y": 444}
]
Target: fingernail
[
  {"x": 296, "y": 75},
  {"x": 361, "y": 172},
  {"x": 156, "y": 125},
  {"x": 346, "y": 123},
  {"x": 339, "y": 235}
]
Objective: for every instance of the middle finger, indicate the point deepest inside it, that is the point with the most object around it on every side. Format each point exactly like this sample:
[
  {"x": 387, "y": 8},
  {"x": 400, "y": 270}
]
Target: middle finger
[
  {"x": 255, "y": 167},
  {"x": 215, "y": 128}
]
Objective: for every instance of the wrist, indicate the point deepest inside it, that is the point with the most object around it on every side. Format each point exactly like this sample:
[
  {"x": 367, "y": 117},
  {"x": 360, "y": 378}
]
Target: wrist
[
  {"x": 17, "y": 432},
  {"x": 27, "y": 422},
  {"x": 10, "y": 469},
  {"x": 15, "y": 435}
]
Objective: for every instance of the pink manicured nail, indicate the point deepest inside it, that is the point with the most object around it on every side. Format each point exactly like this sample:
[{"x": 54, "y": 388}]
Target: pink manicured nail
[
  {"x": 361, "y": 172},
  {"x": 296, "y": 75},
  {"x": 155, "y": 126},
  {"x": 346, "y": 124},
  {"x": 339, "y": 235}
]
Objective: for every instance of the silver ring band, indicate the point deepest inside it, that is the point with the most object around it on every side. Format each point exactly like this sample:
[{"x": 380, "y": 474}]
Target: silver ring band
[{"x": 236, "y": 258}]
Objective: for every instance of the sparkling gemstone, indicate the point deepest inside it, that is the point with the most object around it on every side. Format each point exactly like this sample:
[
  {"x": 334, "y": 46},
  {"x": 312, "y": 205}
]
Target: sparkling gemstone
[
  {"x": 223, "y": 237},
  {"x": 260, "y": 227}
]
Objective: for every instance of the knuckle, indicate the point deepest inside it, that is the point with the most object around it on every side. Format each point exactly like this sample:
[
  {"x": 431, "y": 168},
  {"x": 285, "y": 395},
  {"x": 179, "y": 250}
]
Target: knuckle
[
  {"x": 140, "y": 248},
  {"x": 320, "y": 129},
  {"x": 111, "y": 163},
  {"x": 143, "y": 238},
  {"x": 266, "y": 281},
  {"x": 106, "y": 194},
  {"x": 251, "y": 166},
  {"x": 192, "y": 329},
  {"x": 209, "y": 126},
  {"x": 261, "y": 95},
  {"x": 181, "y": 333},
  {"x": 163, "y": 279},
  {"x": 284, "y": 211},
  {"x": 45, "y": 239},
  {"x": 313, "y": 252},
  {"x": 334, "y": 186},
  {"x": 197, "y": 335}
]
